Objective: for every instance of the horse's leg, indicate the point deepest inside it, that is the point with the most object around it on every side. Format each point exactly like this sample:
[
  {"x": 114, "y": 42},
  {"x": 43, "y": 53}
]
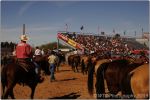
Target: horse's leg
[
  {"x": 8, "y": 90},
  {"x": 3, "y": 89},
  {"x": 12, "y": 94},
  {"x": 73, "y": 67},
  {"x": 33, "y": 86},
  {"x": 77, "y": 67}
]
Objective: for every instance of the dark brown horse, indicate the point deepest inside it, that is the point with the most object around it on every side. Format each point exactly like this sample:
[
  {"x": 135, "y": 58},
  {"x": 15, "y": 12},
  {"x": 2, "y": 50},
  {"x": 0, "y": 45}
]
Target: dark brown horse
[
  {"x": 70, "y": 60},
  {"x": 12, "y": 74},
  {"x": 44, "y": 64},
  {"x": 84, "y": 64},
  {"x": 76, "y": 63},
  {"x": 114, "y": 73}
]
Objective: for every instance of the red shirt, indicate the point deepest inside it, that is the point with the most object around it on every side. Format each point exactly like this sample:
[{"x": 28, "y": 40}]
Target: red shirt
[{"x": 23, "y": 50}]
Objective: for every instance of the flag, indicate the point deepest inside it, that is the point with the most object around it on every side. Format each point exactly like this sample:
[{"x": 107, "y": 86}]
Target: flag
[
  {"x": 113, "y": 30},
  {"x": 66, "y": 27},
  {"x": 82, "y": 27}
]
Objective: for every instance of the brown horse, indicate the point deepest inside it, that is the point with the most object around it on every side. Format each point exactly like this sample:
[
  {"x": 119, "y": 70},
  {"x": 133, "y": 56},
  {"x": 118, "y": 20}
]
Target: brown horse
[
  {"x": 139, "y": 79},
  {"x": 114, "y": 73},
  {"x": 76, "y": 63},
  {"x": 84, "y": 64},
  {"x": 43, "y": 62},
  {"x": 70, "y": 60},
  {"x": 12, "y": 74}
]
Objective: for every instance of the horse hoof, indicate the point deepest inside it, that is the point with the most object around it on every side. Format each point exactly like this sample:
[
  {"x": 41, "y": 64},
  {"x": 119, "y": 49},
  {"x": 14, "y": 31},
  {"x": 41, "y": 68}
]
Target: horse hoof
[{"x": 41, "y": 80}]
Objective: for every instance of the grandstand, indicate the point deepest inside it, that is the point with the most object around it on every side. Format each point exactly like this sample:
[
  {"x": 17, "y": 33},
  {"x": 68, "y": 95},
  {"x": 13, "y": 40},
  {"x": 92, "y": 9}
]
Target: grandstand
[{"x": 90, "y": 43}]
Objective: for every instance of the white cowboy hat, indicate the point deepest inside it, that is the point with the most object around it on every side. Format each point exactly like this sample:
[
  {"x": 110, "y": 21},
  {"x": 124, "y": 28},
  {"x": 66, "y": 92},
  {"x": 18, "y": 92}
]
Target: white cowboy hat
[{"x": 24, "y": 37}]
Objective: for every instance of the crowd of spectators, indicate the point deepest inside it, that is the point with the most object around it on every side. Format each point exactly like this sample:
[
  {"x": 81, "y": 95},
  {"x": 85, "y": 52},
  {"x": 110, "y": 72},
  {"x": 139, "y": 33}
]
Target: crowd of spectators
[{"x": 103, "y": 44}]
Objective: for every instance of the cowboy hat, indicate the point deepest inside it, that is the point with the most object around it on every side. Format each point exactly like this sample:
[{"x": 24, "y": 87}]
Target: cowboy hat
[{"x": 24, "y": 37}]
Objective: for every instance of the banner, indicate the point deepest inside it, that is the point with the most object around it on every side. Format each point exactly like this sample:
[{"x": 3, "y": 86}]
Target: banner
[
  {"x": 59, "y": 35},
  {"x": 69, "y": 41}
]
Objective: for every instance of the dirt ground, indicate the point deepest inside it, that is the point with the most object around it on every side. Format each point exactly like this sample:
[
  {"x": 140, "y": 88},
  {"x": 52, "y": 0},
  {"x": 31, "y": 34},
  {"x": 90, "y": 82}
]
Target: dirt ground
[{"x": 68, "y": 85}]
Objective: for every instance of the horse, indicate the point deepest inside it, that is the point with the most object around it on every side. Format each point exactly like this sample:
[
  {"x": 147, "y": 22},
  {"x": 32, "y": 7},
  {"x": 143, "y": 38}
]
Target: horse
[
  {"x": 93, "y": 68},
  {"x": 139, "y": 81},
  {"x": 84, "y": 63},
  {"x": 44, "y": 64},
  {"x": 14, "y": 73},
  {"x": 57, "y": 63},
  {"x": 76, "y": 62},
  {"x": 113, "y": 72},
  {"x": 70, "y": 60}
]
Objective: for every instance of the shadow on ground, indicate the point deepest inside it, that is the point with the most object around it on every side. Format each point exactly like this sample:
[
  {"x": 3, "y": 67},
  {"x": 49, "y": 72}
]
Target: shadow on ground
[
  {"x": 68, "y": 79},
  {"x": 63, "y": 71},
  {"x": 68, "y": 96}
]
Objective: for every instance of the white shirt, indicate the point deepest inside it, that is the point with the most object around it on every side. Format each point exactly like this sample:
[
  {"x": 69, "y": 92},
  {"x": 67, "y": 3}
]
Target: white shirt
[
  {"x": 75, "y": 52},
  {"x": 42, "y": 52},
  {"x": 37, "y": 52}
]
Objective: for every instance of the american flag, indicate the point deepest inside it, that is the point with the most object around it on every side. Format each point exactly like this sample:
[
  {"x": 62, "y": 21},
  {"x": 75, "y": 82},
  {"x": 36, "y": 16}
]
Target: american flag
[{"x": 82, "y": 27}]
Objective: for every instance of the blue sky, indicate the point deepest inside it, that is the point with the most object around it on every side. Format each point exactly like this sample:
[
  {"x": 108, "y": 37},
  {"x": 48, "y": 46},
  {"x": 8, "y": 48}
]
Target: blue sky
[{"x": 44, "y": 18}]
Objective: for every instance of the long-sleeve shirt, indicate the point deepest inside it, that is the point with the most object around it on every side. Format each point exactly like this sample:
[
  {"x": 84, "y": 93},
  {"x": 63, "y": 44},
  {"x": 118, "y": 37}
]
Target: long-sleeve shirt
[{"x": 23, "y": 50}]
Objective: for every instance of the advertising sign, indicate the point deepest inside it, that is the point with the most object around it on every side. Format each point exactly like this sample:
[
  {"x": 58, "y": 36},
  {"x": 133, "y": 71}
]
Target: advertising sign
[{"x": 69, "y": 41}]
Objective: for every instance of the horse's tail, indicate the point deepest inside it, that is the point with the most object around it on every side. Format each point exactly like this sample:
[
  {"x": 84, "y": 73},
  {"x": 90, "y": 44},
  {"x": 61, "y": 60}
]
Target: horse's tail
[
  {"x": 126, "y": 85},
  {"x": 3, "y": 78},
  {"x": 82, "y": 66},
  {"x": 90, "y": 79},
  {"x": 100, "y": 87}
]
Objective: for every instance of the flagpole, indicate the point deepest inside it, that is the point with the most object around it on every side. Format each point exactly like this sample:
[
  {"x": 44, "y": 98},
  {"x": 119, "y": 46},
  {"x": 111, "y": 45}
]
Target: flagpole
[
  {"x": 98, "y": 31},
  {"x": 66, "y": 27},
  {"x": 23, "y": 29},
  {"x": 135, "y": 33},
  {"x": 142, "y": 33}
]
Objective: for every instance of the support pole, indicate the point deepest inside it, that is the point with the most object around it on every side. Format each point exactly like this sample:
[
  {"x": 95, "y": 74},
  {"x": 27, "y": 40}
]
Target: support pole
[
  {"x": 57, "y": 44},
  {"x": 23, "y": 29}
]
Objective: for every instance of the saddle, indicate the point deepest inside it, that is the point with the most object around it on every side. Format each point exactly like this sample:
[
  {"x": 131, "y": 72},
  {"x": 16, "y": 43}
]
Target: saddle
[{"x": 28, "y": 66}]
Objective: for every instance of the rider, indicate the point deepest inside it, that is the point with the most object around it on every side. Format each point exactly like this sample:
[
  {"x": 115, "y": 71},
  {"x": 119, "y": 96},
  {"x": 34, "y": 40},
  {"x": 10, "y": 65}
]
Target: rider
[
  {"x": 23, "y": 50},
  {"x": 24, "y": 55},
  {"x": 37, "y": 59}
]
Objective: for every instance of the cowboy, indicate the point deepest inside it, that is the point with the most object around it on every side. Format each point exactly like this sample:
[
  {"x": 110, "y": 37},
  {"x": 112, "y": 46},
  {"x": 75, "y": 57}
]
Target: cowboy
[
  {"x": 23, "y": 50},
  {"x": 52, "y": 61},
  {"x": 24, "y": 55}
]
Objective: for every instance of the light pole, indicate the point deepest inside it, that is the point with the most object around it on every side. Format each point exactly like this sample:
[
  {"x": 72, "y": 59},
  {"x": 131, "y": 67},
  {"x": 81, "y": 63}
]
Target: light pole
[{"x": 141, "y": 29}]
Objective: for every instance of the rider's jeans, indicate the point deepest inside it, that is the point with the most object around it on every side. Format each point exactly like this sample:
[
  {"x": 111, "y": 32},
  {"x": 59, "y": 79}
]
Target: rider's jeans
[{"x": 52, "y": 69}]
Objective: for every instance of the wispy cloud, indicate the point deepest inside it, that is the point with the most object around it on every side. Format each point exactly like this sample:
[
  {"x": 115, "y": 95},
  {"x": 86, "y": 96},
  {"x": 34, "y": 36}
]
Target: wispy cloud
[
  {"x": 46, "y": 28},
  {"x": 25, "y": 8},
  {"x": 31, "y": 29},
  {"x": 65, "y": 3},
  {"x": 68, "y": 20},
  {"x": 37, "y": 34}
]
